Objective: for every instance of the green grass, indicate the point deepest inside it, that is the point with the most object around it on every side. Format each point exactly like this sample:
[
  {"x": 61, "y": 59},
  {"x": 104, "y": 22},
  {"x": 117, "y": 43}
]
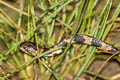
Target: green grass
[{"x": 42, "y": 29}]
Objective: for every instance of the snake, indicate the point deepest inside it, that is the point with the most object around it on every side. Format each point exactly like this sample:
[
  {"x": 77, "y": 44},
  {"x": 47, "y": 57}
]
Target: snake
[{"x": 31, "y": 47}]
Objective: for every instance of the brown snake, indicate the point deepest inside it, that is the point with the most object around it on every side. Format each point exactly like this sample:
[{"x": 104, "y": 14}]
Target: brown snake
[{"x": 31, "y": 48}]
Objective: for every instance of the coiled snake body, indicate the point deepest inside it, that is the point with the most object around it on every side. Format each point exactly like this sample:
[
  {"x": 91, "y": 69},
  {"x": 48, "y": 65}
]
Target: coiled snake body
[{"x": 31, "y": 48}]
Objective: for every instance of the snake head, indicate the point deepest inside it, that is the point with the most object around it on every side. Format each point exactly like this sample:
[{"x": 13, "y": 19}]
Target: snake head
[{"x": 29, "y": 48}]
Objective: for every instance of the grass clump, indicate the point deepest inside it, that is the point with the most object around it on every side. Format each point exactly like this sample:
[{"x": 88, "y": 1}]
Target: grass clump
[{"x": 46, "y": 23}]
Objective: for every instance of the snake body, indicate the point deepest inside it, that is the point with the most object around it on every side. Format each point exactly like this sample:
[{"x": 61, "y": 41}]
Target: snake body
[{"x": 31, "y": 48}]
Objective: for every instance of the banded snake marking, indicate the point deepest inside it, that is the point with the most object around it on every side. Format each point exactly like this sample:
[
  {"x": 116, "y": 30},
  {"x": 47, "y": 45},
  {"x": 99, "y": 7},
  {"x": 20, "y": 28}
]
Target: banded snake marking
[{"x": 31, "y": 48}]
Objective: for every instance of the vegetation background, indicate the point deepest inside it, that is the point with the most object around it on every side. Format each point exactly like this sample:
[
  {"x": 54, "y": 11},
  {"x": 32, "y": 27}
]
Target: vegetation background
[{"x": 47, "y": 22}]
